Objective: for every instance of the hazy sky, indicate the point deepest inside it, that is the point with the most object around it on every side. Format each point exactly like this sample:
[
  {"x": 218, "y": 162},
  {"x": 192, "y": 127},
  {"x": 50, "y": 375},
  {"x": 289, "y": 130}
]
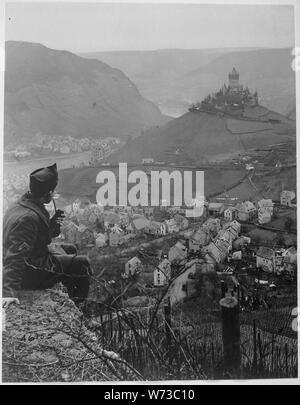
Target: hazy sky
[{"x": 97, "y": 27}]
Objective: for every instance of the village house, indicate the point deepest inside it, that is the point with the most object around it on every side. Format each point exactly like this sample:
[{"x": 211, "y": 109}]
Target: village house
[
  {"x": 133, "y": 266},
  {"x": 290, "y": 260},
  {"x": 197, "y": 240},
  {"x": 219, "y": 249},
  {"x": 111, "y": 217},
  {"x": 162, "y": 273},
  {"x": 68, "y": 210},
  {"x": 149, "y": 211},
  {"x": 286, "y": 198},
  {"x": 182, "y": 222},
  {"x": 264, "y": 215},
  {"x": 267, "y": 204},
  {"x": 212, "y": 226},
  {"x": 215, "y": 209},
  {"x": 124, "y": 219},
  {"x": 139, "y": 225},
  {"x": 226, "y": 235},
  {"x": 100, "y": 240},
  {"x": 84, "y": 236},
  {"x": 278, "y": 264},
  {"x": 116, "y": 235},
  {"x": 265, "y": 259},
  {"x": 156, "y": 228},
  {"x": 237, "y": 244},
  {"x": 233, "y": 228},
  {"x": 177, "y": 252},
  {"x": 230, "y": 213},
  {"x": 172, "y": 226},
  {"x": 69, "y": 231},
  {"x": 246, "y": 211}
]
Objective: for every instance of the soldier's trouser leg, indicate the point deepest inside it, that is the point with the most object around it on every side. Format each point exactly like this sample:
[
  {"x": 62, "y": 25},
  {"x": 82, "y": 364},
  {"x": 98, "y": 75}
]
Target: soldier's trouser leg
[{"x": 76, "y": 277}]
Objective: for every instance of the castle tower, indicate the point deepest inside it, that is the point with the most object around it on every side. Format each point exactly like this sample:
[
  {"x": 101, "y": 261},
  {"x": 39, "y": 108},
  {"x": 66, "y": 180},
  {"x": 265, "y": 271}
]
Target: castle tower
[{"x": 234, "y": 79}]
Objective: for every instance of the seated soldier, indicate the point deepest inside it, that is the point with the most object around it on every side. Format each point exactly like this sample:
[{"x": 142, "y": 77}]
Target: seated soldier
[{"x": 28, "y": 263}]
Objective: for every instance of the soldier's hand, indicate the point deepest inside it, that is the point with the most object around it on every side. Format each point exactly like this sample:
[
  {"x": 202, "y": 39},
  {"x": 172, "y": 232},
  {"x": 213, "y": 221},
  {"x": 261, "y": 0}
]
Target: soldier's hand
[{"x": 9, "y": 300}]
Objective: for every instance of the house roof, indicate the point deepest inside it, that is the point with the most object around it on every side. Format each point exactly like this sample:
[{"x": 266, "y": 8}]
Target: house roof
[
  {"x": 265, "y": 203},
  {"x": 179, "y": 218},
  {"x": 245, "y": 206},
  {"x": 198, "y": 235},
  {"x": 290, "y": 255},
  {"x": 265, "y": 252},
  {"x": 288, "y": 194},
  {"x": 134, "y": 260},
  {"x": 140, "y": 223},
  {"x": 225, "y": 234},
  {"x": 222, "y": 244},
  {"x": 171, "y": 222},
  {"x": 163, "y": 264},
  {"x": 155, "y": 224},
  {"x": 179, "y": 248},
  {"x": 231, "y": 209}
]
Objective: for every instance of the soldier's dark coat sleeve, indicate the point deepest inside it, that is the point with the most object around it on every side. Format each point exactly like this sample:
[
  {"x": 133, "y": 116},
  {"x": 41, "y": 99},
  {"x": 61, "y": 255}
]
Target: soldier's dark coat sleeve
[{"x": 22, "y": 240}]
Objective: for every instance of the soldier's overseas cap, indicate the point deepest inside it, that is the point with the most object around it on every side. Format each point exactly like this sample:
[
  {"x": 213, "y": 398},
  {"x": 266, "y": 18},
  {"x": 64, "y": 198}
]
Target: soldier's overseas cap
[{"x": 43, "y": 180}]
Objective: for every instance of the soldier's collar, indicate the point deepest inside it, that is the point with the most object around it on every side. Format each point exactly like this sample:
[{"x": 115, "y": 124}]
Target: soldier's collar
[{"x": 36, "y": 206}]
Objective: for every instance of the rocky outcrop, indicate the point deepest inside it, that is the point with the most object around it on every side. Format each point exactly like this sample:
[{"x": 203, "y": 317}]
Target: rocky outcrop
[{"x": 46, "y": 339}]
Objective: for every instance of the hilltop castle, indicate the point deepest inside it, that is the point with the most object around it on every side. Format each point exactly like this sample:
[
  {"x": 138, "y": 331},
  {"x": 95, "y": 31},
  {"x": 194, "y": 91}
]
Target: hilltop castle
[{"x": 231, "y": 99}]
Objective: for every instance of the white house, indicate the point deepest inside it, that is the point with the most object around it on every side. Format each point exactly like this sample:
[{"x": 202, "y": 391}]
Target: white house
[
  {"x": 267, "y": 204},
  {"x": 264, "y": 215},
  {"x": 265, "y": 259},
  {"x": 230, "y": 213},
  {"x": 172, "y": 226},
  {"x": 156, "y": 228},
  {"x": 84, "y": 236},
  {"x": 219, "y": 249},
  {"x": 162, "y": 273},
  {"x": 177, "y": 252},
  {"x": 100, "y": 240},
  {"x": 233, "y": 228},
  {"x": 286, "y": 198},
  {"x": 290, "y": 260},
  {"x": 115, "y": 237},
  {"x": 246, "y": 211},
  {"x": 133, "y": 266}
]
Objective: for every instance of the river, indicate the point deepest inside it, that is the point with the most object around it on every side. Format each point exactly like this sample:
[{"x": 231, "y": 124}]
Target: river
[{"x": 28, "y": 166}]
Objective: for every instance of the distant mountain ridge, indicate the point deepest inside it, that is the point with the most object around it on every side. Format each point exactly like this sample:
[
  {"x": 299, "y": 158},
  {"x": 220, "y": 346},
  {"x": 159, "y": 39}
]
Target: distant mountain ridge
[
  {"x": 173, "y": 79},
  {"x": 59, "y": 93}
]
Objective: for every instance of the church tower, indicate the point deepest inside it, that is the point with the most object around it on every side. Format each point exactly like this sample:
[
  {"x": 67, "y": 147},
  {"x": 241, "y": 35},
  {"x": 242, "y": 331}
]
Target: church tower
[{"x": 234, "y": 79}]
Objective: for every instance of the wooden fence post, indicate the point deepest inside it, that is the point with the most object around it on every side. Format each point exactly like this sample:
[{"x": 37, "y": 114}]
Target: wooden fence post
[
  {"x": 223, "y": 289},
  {"x": 254, "y": 349},
  {"x": 231, "y": 335},
  {"x": 167, "y": 311}
]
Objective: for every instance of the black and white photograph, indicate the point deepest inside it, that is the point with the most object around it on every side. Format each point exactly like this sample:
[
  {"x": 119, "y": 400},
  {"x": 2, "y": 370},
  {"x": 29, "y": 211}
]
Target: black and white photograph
[{"x": 149, "y": 194}]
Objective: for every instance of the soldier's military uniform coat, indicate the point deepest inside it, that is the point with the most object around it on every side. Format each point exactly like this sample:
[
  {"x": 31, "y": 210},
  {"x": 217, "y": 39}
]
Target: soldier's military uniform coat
[{"x": 27, "y": 260}]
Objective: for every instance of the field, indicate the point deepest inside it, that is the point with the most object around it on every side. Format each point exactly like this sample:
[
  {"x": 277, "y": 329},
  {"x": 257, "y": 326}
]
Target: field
[
  {"x": 81, "y": 182},
  {"x": 244, "y": 127}
]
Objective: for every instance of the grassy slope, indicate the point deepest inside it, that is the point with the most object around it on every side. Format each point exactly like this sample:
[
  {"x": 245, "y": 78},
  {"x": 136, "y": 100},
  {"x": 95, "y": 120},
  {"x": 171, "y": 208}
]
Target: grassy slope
[{"x": 200, "y": 136}]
